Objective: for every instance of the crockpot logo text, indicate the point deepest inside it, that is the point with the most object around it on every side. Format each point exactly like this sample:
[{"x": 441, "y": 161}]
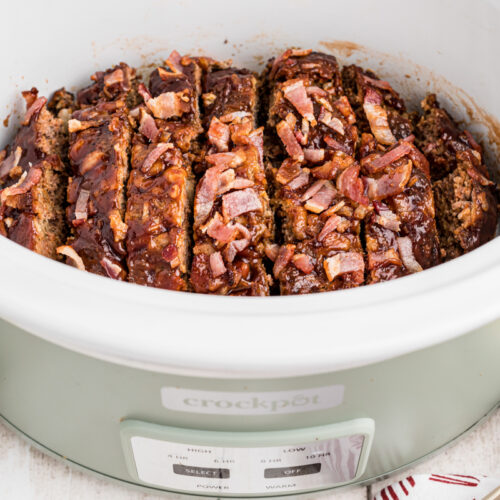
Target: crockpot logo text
[{"x": 251, "y": 403}]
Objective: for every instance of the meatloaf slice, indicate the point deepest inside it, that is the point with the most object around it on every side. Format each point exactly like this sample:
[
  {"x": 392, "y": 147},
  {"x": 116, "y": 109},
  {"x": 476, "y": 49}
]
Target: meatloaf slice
[
  {"x": 379, "y": 108},
  {"x": 233, "y": 222},
  {"x": 172, "y": 98},
  {"x": 401, "y": 235},
  {"x": 161, "y": 185},
  {"x": 100, "y": 136},
  {"x": 466, "y": 208},
  {"x": 33, "y": 179},
  {"x": 440, "y": 138},
  {"x": 116, "y": 83},
  {"x": 318, "y": 193}
]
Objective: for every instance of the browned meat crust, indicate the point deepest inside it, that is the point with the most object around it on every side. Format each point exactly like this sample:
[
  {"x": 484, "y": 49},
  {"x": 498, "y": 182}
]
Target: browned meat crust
[
  {"x": 33, "y": 180},
  {"x": 233, "y": 223},
  {"x": 318, "y": 192},
  {"x": 466, "y": 207},
  {"x": 357, "y": 84},
  {"x": 175, "y": 89},
  {"x": 99, "y": 145},
  {"x": 160, "y": 187},
  {"x": 401, "y": 234},
  {"x": 440, "y": 138}
]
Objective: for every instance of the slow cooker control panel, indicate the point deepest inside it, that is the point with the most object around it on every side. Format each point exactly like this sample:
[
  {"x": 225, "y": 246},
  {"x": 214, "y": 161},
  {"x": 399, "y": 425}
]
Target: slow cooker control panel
[{"x": 246, "y": 463}]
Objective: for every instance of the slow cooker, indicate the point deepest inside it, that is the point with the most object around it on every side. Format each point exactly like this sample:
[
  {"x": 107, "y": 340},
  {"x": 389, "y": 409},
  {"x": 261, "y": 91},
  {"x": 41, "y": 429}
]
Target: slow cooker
[{"x": 226, "y": 396}]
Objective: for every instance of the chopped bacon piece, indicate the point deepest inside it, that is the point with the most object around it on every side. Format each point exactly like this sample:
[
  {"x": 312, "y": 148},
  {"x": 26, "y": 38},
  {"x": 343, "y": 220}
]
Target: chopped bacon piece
[
  {"x": 389, "y": 184},
  {"x": 256, "y": 139},
  {"x": 342, "y": 263},
  {"x": 226, "y": 180},
  {"x": 330, "y": 121},
  {"x": 350, "y": 185},
  {"x": 299, "y": 181},
  {"x": 374, "y": 163},
  {"x": 314, "y": 155},
  {"x": 218, "y": 134},
  {"x": 316, "y": 91},
  {"x": 30, "y": 96},
  {"x": 288, "y": 138},
  {"x": 217, "y": 264},
  {"x": 377, "y": 117},
  {"x": 336, "y": 145},
  {"x": 240, "y": 202},
  {"x": 169, "y": 104},
  {"x": 419, "y": 160},
  {"x": 381, "y": 84},
  {"x": 235, "y": 116},
  {"x": 326, "y": 171},
  {"x": 11, "y": 162},
  {"x": 33, "y": 109},
  {"x": 154, "y": 155},
  {"x": 148, "y": 127},
  {"x": 115, "y": 76},
  {"x": 113, "y": 270},
  {"x": 335, "y": 208},
  {"x": 170, "y": 252},
  {"x": 330, "y": 225},
  {"x": 174, "y": 62},
  {"x": 313, "y": 190},
  {"x": 377, "y": 259},
  {"x": 81, "y": 204},
  {"x": 322, "y": 199},
  {"x": 206, "y": 193},
  {"x": 219, "y": 231},
  {"x": 283, "y": 57},
  {"x": 386, "y": 217},
  {"x": 76, "y": 125},
  {"x": 472, "y": 142},
  {"x": 295, "y": 92},
  {"x": 241, "y": 183},
  {"x": 243, "y": 230},
  {"x": 477, "y": 176},
  {"x": 407, "y": 256},
  {"x": 285, "y": 255},
  {"x": 272, "y": 250},
  {"x": 226, "y": 160},
  {"x": 344, "y": 106},
  {"x": 70, "y": 252},
  {"x": 234, "y": 247},
  {"x": 303, "y": 262},
  {"x": 288, "y": 170},
  {"x": 23, "y": 185},
  {"x": 144, "y": 92}
]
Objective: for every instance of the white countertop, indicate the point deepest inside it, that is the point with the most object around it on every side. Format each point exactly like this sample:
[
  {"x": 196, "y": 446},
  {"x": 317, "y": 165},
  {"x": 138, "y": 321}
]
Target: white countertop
[{"x": 28, "y": 474}]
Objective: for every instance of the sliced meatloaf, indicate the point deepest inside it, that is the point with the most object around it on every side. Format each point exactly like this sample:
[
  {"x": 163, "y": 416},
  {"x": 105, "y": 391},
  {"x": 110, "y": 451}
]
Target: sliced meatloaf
[
  {"x": 161, "y": 185},
  {"x": 233, "y": 222},
  {"x": 466, "y": 206},
  {"x": 33, "y": 180},
  {"x": 401, "y": 234},
  {"x": 318, "y": 193},
  {"x": 100, "y": 136}
]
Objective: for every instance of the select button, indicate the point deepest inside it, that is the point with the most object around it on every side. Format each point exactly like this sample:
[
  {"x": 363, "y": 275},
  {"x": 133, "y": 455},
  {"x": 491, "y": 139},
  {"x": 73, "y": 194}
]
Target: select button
[
  {"x": 298, "y": 470},
  {"x": 208, "y": 472}
]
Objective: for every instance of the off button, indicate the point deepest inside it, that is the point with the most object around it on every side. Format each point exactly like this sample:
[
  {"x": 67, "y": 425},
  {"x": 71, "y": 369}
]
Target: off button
[{"x": 297, "y": 470}]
